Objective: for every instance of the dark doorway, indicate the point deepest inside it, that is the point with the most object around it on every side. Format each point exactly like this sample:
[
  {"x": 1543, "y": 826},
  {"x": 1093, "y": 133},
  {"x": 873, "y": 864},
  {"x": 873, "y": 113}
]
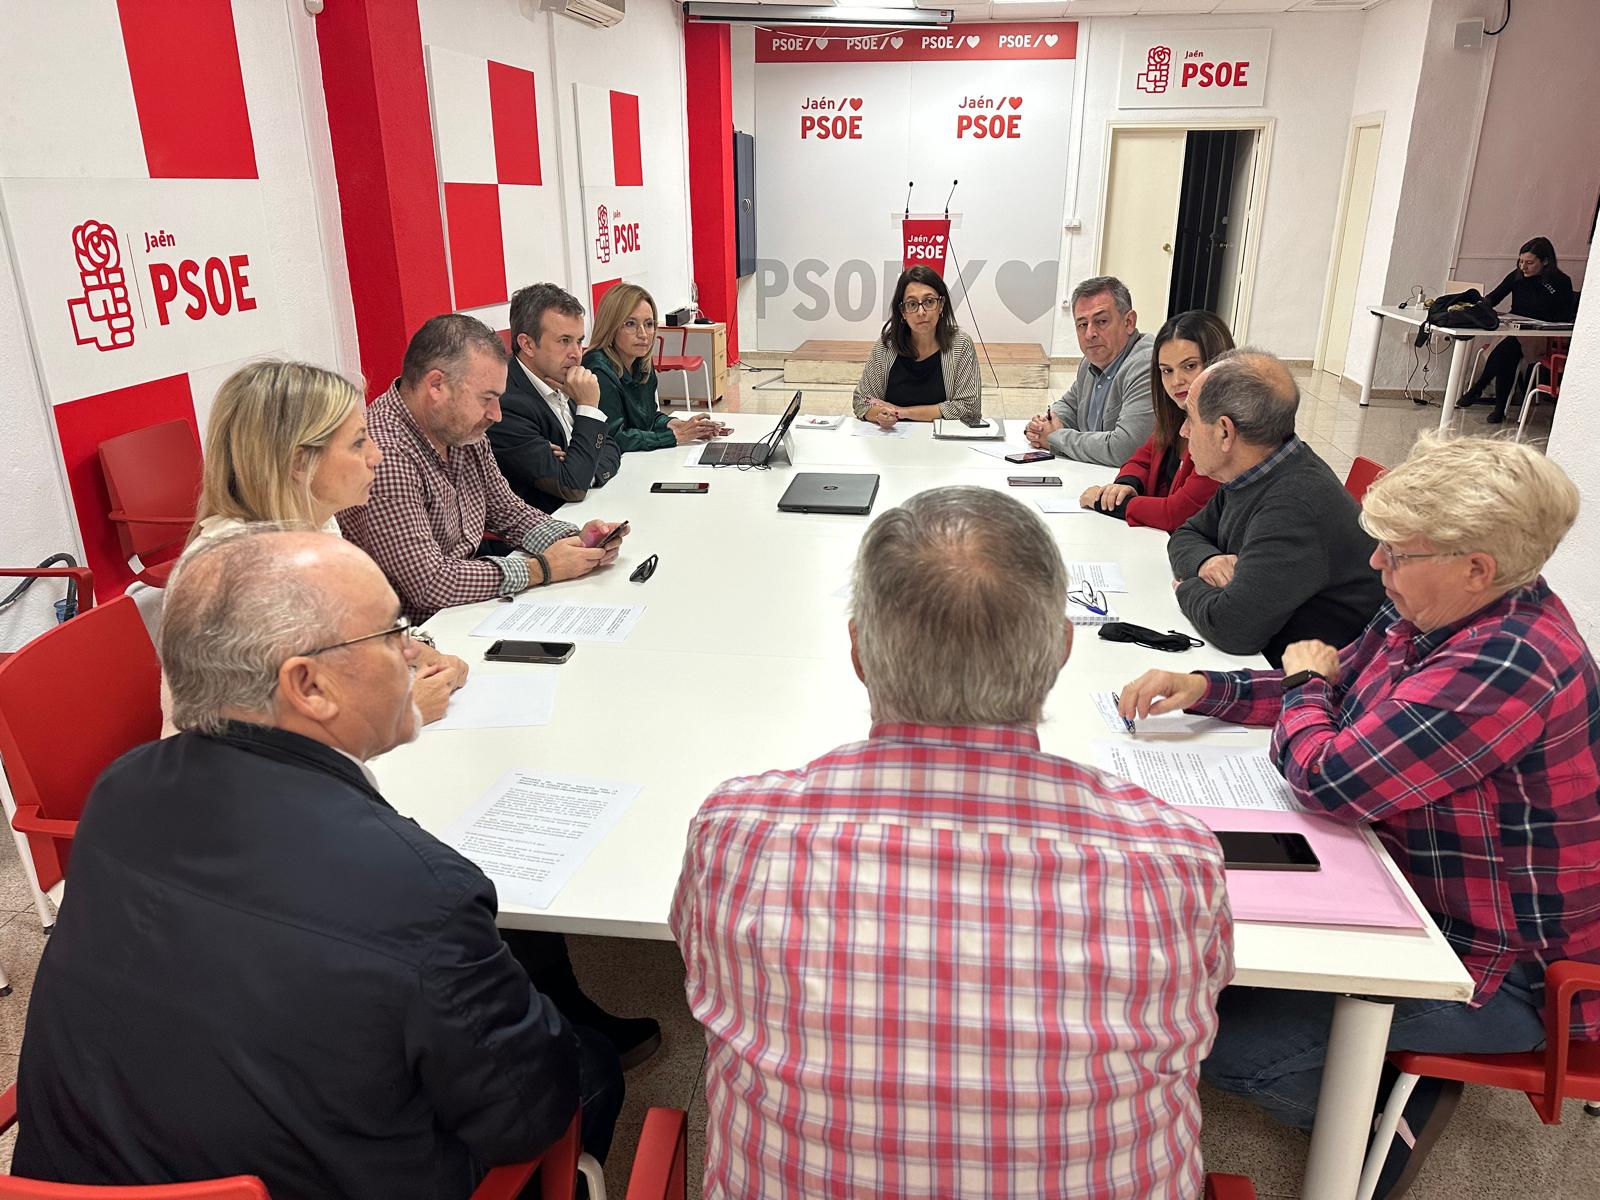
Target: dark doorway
[{"x": 1212, "y": 209}]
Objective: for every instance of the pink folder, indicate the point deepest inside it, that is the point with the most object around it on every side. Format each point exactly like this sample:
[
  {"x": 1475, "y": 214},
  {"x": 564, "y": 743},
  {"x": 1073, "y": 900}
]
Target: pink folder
[{"x": 1352, "y": 888}]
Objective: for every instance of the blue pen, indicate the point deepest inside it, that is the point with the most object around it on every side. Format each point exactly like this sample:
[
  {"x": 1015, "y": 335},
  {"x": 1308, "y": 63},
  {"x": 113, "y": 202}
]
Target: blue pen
[{"x": 1126, "y": 721}]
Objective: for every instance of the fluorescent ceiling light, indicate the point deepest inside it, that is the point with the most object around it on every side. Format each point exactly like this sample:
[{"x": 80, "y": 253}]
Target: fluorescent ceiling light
[{"x": 875, "y": 17}]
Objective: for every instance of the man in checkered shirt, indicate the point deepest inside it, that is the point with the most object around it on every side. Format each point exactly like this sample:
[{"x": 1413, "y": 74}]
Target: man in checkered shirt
[
  {"x": 939, "y": 962},
  {"x": 438, "y": 488}
]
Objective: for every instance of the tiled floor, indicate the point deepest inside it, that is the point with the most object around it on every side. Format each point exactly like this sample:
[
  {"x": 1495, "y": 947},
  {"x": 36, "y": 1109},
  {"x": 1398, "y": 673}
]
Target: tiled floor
[{"x": 1494, "y": 1147}]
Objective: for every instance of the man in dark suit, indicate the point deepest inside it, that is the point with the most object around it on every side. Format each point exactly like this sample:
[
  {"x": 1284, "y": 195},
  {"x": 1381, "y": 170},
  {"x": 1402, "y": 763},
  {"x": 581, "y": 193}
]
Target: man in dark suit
[
  {"x": 264, "y": 969},
  {"x": 551, "y": 440}
]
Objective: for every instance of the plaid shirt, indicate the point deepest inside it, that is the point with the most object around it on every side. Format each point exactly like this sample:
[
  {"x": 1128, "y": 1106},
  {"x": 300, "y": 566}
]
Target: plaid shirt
[
  {"x": 427, "y": 517},
  {"x": 1475, "y": 752},
  {"x": 1266, "y": 466},
  {"x": 941, "y": 963}
]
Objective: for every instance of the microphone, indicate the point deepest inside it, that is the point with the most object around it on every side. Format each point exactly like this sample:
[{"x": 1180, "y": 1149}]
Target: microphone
[
  {"x": 909, "y": 186},
  {"x": 953, "y": 183}
]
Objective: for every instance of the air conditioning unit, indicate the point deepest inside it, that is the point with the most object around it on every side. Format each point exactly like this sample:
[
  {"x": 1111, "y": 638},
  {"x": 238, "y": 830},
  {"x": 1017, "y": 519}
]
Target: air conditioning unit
[{"x": 599, "y": 13}]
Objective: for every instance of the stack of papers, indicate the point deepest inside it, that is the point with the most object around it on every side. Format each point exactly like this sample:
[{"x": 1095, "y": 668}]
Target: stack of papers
[
  {"x": 561, "y": 622},
  {"x": 1201, "y": 776}
]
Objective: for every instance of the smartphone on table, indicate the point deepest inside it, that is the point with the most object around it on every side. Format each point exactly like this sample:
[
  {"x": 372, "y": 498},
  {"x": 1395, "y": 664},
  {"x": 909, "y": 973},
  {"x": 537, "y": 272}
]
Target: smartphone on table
[
  {"x": 1034, "y": 480},
  {"x": 1256, "y": 851},
  {"x": 529, "y": 652},
  {"x": 684, "y": 488},
  {"x": 1028, "y": 456}
]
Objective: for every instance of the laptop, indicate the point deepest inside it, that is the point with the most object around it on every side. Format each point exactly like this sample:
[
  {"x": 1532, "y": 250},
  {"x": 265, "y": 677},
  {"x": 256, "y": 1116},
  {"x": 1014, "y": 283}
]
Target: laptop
[
  {"x": 771, "y": 451},
  {"x": 814, "y": 492}
]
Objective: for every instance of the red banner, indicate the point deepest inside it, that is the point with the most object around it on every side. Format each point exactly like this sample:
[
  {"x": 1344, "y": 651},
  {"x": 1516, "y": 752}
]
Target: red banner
[
  {"x": 954, "y": 43},
  {"x": 926, "y": 239}
]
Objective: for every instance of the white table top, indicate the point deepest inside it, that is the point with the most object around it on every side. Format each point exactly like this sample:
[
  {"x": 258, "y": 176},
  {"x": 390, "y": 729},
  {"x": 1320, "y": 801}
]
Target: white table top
[
  {"x": 1416, "y": 316},
  {"x": 740, "y": 664}
]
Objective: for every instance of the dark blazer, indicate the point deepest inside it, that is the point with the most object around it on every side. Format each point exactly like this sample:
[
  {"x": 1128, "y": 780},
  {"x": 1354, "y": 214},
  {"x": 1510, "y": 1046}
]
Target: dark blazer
[
  {"x": 264, "y": 969},
  {"x": 526, "y": 431}
]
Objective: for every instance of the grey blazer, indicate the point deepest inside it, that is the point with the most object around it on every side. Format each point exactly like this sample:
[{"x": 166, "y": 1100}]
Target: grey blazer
[
  {"x": 1126, "y": 421},
  {"x": 963, "y": 387}
]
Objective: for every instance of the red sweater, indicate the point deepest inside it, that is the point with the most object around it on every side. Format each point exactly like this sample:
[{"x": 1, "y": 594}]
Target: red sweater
[{"x": 1168, "y": 509}]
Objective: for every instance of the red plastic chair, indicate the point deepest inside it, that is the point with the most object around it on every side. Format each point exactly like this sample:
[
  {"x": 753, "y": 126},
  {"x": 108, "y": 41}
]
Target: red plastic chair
[
  {"x": 82, "y": 578},
  {"x": 153, "y": 478},
  {"x": 1229, "y": 1187},
  {"x": 71, "y": 701},
  {"x": 1550, "y": 368},
  {"x": 683, "y": 361},
  {"x": 1563, "y": 1070},
  {"x": 1362, "y": 474}
]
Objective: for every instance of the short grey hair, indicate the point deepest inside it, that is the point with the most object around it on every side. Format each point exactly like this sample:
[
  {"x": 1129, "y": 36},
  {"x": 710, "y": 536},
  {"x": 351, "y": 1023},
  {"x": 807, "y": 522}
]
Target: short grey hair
[
  {"x": 959, "y": 604},
  {"x": 236, "y": 608},
  {"x": 1255, "y": 391},
  {"x": 444, "y": 344},
  {"x": 1120, "y": 296}
]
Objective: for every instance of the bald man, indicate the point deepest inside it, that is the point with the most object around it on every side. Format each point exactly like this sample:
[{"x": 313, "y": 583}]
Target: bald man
[
  {"x": 266, "y": 970},
  {"x": 1278, "y": 555}
]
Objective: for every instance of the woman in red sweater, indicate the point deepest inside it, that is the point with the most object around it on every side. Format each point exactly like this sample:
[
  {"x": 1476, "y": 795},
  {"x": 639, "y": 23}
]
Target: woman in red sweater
[{"x": 1158, "y": 486}]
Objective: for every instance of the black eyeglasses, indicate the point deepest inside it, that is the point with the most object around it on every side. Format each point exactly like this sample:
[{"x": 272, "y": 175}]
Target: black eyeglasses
[
  {"x": 645, "y": 569},
  {"x": 402, "y": 627},
  {"x": 1087, "y": 596},
  {"x": 912, "y": 307}
]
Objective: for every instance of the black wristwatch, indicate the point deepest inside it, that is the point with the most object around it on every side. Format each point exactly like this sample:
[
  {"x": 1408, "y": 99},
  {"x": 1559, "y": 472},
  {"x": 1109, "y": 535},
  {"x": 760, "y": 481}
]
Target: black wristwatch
[{"x": 1302, "y": 677}]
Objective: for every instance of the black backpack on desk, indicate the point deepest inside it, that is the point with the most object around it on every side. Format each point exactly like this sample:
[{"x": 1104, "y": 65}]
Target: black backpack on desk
[{"x": 1458, "y": 310}]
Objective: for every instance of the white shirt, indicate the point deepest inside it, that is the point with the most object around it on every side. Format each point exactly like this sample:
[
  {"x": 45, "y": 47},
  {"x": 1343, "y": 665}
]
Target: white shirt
[{"x": 558, "y": 402}]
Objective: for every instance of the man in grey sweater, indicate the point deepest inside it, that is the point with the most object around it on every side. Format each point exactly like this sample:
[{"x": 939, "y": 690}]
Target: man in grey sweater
[
  {"x": 1278, "y": 555},
  {"x": 1105, "y": 415}
]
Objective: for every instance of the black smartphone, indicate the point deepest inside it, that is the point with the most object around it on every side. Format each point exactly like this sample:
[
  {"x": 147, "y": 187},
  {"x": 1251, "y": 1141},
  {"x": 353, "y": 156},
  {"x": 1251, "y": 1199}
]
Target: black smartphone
[
  {"x": 529, "y": 652},
  {"x": 1267, "y": 852},
  {"x": 1034, "y": 480},
  {"x": 1028, "y": 456},
  {"x": 614, "y": 536},
  {"x": 681, "y": 489},
  {"x": 974, "y": 422}
]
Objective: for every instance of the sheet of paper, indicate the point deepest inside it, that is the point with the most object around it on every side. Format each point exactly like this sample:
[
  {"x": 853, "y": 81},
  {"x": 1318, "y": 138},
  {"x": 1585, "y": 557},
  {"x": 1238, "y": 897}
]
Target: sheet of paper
[
  {"x": 1178, "y": 722},
  {"x": 1001, "y": 449},
  {"x": 535, "y": 828},
  {"x": 868, "y": 429},
  {"x": 527, "y": 697},
  {"x": 1064, "y": 506},
  {"x": 561, "y": 622},
  {"x": 1200, "y": 776},
  {"x": 1102, "y": 576}
]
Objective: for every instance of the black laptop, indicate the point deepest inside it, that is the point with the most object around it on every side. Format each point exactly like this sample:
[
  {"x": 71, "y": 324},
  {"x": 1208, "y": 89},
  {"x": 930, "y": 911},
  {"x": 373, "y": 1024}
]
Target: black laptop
[
  {"x": 814, "y": 492},
  {"x": 770, "y": 451}
]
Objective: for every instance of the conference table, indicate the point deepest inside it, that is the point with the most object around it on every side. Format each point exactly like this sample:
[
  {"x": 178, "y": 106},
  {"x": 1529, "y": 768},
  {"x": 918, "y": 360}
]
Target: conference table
[
  {"x": 740, "y": 663},
  {"x": 1461, "y": 341}
]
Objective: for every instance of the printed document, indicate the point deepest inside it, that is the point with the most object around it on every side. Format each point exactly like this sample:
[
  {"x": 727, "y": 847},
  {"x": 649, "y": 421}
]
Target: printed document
[
  {"x": 1102, "y": 576},
  {"x": 1199, "y": 776},
  {"x": 1167, "y": 723},
  {"x": 561, "y": 622},
  {"x": 535, "y": 828}
]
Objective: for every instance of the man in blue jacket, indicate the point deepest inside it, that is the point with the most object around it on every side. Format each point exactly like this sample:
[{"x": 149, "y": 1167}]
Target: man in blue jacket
[{"x": 263, "y": 968}]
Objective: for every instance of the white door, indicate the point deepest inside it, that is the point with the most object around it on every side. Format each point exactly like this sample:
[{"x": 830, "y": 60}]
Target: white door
[
  {"x": 1349, "y": 241},
  {"x": 1143, "y": 186}
]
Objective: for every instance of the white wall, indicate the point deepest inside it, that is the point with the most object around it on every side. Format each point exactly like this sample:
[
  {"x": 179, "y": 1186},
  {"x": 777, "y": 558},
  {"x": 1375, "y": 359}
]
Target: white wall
[
  {"x": 278, "y": 59},
  {"x": 1538, "y": 162},
  {"x": 1573, "y": 572}
]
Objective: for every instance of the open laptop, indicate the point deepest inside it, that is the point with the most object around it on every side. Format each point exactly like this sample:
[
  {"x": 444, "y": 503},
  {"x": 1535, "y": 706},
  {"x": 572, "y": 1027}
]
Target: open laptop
[
  {"x": 815, "y": 492},
  {"x": 771, "y": 451}
]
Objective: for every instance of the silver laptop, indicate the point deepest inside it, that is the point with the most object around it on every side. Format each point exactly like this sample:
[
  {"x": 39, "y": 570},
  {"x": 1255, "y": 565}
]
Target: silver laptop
[
  {"x": 770, "y": 451},
  {"x": 814, "y": 492}
]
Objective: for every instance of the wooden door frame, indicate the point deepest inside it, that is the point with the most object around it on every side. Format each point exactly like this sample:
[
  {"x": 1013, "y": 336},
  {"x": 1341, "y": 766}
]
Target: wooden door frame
[
  {"x": 1264, "y": 128},
  {"x": 1371, "y": 120}
]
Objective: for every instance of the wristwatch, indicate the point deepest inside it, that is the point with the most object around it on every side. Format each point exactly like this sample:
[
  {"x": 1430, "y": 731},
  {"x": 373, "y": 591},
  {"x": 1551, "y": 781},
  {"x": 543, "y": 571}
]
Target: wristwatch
[{"x": 1302, "y": 677}]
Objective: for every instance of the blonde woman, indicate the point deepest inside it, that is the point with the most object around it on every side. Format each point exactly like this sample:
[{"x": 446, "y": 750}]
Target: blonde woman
[
  {"x": 287, "y": 442},
  {"x": 619, "y": 355}
]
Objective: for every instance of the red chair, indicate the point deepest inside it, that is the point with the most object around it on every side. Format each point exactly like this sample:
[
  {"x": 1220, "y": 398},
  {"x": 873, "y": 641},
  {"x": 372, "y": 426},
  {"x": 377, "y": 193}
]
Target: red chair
[
  {"x": 1229, "y": 1187},
  {"x": 1362, "y": 474},
  {"x": 71, "y": 701},
  {"x": 1550, "y": 368},
  {"x": 80, "y": 585},
  {"x": 683, "y": 361},
  {"x": 1563, "y": 1070},
  {"x": 153, "y": 478}
]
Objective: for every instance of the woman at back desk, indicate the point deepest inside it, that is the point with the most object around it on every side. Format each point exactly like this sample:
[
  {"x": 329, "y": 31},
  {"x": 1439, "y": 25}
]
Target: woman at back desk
[
  {"x": 922, "y": 366},
  {"x": 1538, "y": 289}
]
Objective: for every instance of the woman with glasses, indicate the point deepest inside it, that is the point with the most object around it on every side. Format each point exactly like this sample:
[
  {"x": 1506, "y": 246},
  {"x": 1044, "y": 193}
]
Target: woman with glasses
[
  {"x": 287, "y": 442},
  {"x": 922, "y": 367},
  {"x": 1463, "y": 726},
  {"x": 1158, "y": 487},
  {"x": 620, "y": 356}
]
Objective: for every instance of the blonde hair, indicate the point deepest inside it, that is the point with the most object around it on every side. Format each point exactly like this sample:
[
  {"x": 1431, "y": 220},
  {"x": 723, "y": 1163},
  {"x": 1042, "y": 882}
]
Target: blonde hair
[
  {"x": 616, "y": 306},
  {"x": 1491, "y": 495},
  {"x": 268, "y": 419}
]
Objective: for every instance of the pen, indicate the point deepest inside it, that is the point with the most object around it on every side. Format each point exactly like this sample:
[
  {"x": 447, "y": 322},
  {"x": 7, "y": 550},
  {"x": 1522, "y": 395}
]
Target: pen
[{"x": 1126, "y": 721}]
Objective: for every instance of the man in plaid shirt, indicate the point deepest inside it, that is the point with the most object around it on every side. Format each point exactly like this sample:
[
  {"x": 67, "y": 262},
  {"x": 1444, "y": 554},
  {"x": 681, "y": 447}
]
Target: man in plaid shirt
[
  {"x": 438, "y": 488},
  {"x": 1464, "y": 726},
  {"x": 939, "y": 962}
]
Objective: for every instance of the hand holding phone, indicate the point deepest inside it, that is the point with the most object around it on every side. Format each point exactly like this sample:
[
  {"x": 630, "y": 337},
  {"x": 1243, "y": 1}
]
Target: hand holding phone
[{"x": 615, "y": 536}]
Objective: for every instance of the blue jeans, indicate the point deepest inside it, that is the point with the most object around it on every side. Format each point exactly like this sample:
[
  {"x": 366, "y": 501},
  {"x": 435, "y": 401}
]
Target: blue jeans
[{"x": 1271, "y": 1043}]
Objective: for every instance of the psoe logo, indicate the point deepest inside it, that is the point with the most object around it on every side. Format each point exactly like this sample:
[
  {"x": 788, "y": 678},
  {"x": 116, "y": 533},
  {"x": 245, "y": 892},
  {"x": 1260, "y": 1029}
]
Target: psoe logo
[
  {"x": 989, "y": 117},
  {"x": 824, "y": 118},
  {"x": 103, "y": 316},
  {"x": 1157, "y": 72},
  {"x": 602, "y": 236}
]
